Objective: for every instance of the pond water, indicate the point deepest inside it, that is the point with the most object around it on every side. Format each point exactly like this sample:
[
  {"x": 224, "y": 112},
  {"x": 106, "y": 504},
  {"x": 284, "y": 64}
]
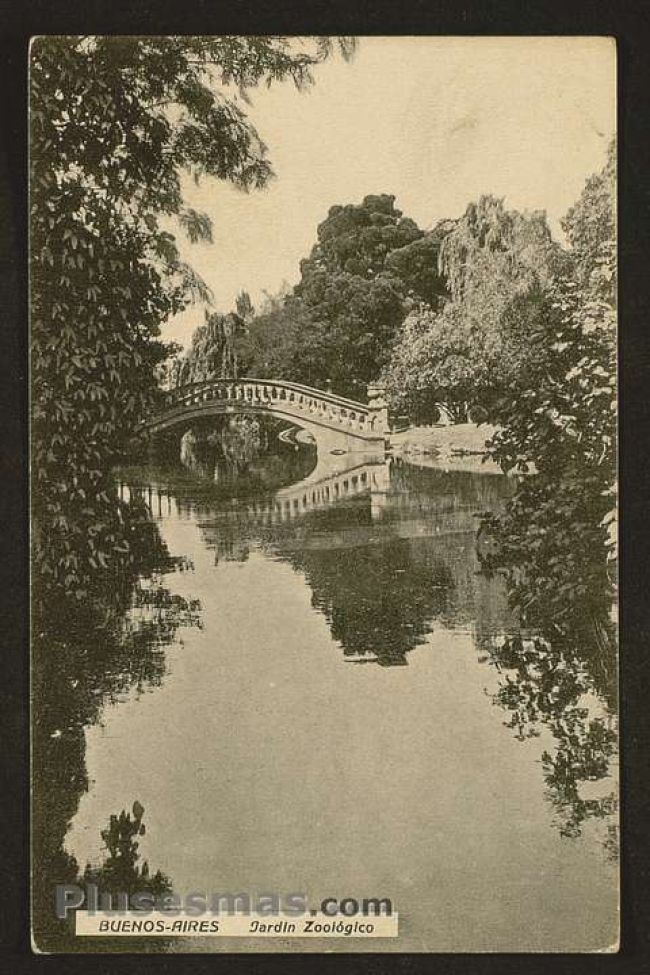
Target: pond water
[{"x": 339, "y": 723}]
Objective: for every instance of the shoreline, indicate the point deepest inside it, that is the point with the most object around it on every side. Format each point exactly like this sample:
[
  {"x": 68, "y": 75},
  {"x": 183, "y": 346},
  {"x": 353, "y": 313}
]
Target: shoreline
[{"x": 457, "y": 446}]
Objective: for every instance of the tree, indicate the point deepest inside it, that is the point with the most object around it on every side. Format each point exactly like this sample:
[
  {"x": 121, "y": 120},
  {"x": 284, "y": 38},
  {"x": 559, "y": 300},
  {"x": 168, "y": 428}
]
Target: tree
[
  {"x": 368, "y": 266},
  {"x": 276, "y": 339},
  {"x": 417, "y": 266},
  {"x": 114, "y": 123},
  {"x": 351, "y": 322},
  {"x": 556, "y": 541},
  {"x": 244, "y": 307},
  {"x": 213, "y": 353},
  {"x": 357, "y": 238},
  {"x": 590, "y": 226},
  {"x": 434, "y": 364},
  {"x": 353, "y": 306},
  {"x": 492, "y": 242},
  {"x": 471, "y": 350}
]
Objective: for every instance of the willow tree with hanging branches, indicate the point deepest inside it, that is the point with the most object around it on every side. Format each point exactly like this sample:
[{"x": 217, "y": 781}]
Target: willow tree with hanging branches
[{"x": 473, "y": 348}]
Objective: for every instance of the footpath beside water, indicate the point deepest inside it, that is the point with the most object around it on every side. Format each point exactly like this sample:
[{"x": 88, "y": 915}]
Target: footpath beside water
[{"x": 457, "y": 446}]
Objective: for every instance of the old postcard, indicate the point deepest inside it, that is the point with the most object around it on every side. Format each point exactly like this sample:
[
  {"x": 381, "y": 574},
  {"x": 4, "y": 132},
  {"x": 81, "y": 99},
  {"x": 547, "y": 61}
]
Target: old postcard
[{"x": 323, "y": 471}]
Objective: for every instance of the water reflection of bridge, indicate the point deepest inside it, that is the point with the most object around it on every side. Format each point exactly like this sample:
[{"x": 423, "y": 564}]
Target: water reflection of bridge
[
  {"x": 314, "y": 494},
  {"x": 452, "y": 509},
  {"x": 386, "y": 550},
  {"x": 384, "y": 585},
  {"x": 318, "y": 491}
]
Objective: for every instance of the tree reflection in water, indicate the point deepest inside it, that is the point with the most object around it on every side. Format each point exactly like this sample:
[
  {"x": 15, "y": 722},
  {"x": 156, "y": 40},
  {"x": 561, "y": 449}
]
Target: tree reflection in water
[
  {"x": 547, "y": 684},
  {"x": 379, "y": 600},
  {"x": 83, "y": 656},
  {"x": 380, "y": 587},
  {"x": 379, "y": 583},
  {"x": 240, "y": 454},
  {"x": 559, "y": 673},
  {"x": 120, "y": 873}
]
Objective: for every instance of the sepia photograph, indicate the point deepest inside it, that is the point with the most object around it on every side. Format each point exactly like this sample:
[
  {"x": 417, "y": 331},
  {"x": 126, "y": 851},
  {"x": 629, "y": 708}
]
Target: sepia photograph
[{"x": 323, "y": 454}]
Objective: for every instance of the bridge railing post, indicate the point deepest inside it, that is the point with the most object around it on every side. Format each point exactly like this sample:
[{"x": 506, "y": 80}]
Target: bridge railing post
[{"x": 378, "y": 410}]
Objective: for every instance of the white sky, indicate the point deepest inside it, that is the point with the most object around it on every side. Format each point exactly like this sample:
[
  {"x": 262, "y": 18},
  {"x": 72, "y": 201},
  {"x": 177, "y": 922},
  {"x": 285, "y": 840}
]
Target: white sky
[{"x": 436, "y": 121}]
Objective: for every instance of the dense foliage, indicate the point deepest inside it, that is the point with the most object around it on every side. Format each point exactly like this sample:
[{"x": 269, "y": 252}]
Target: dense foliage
[
  {"x": 529, "y": 331},
  {"x": 277, "y": 332},
  {"x": 115, "y": 121},
  {"x": 213, "y": 352},
  {"x": 590, "y": 226},
  {"x": 368, "y": 266},
  {"x": 560, "y": 430},
  {"x": 555, "y": 542},
  {"x": 472, "y": 348}
]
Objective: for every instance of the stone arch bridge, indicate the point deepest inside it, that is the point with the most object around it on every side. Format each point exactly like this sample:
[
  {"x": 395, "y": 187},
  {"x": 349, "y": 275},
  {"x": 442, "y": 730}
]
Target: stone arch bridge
[{"x": 336, "y": 423}]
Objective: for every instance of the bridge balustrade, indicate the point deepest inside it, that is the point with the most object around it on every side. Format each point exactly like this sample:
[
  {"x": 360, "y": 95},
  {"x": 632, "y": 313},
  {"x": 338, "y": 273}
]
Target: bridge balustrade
[{"x": 299, "y": 400}]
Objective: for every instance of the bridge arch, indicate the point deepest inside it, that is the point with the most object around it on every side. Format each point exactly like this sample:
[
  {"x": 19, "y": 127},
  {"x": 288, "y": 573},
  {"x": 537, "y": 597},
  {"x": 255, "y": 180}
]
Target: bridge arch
[{"x": 335, "y": 422}]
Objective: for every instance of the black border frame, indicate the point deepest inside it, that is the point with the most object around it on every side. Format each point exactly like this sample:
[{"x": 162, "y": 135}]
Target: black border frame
[{"x": 629, "y": 22}]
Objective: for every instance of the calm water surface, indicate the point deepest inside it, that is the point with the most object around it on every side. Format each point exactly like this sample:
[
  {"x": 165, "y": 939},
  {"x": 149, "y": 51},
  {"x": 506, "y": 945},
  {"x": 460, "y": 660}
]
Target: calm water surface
[{"x": 333, "y": 727}]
